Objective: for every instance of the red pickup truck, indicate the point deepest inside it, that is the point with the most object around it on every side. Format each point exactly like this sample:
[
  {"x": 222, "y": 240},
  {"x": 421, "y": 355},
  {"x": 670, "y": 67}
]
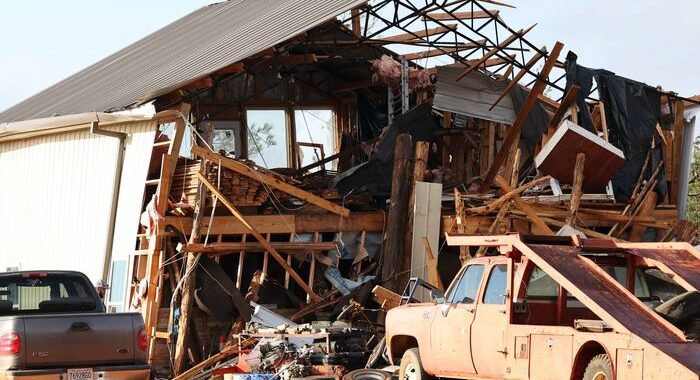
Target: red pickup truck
[{"x": 556, "y": 309}]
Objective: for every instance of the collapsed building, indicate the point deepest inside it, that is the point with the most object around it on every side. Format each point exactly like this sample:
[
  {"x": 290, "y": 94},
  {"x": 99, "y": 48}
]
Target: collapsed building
[{"x": 292, "y": 155}]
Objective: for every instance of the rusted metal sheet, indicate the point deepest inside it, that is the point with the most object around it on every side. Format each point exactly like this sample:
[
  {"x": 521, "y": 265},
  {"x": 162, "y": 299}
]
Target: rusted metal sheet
[
  {"x": 605, "y": 293},
  {"x": 682, "y": 262}
]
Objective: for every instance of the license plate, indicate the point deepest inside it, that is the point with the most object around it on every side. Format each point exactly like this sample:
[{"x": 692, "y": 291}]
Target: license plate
[{"x": 80, "y": 374}]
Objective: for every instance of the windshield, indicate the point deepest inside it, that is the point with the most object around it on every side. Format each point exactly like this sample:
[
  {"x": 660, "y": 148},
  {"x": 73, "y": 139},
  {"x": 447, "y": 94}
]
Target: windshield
[{"x": 38, "y": 293}]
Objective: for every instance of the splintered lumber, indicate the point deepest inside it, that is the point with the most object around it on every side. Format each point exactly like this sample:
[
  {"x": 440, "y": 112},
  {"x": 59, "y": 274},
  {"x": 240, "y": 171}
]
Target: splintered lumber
[
  {"x": 269, "y": 180},
  {"x": 385, "y": 297},
  {"x": 589, "y": 233},
  {"x": 576, "y": 191},
  {"x": 520, "y": 75},
  {"x": 493, "y": 206},
  {"x": 395, "y": 261},
  {"x": 266, "y": 244},
  {"x": 514, "y": 132},
  {"x": 560, "y": 152},
  {"x": 504, "y": 44},
  {"x": 460, "y": 15},
  {"x": 523, "y": 206},
  {"x": 405, "y": 37}
]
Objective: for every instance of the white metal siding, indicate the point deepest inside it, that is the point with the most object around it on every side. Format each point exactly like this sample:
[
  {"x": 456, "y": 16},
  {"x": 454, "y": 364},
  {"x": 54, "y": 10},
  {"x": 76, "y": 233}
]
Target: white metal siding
[{"x": 56, "y": 193}]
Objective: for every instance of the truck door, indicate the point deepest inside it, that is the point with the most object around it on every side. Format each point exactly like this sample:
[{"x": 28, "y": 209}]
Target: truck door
[
  {"x": 491, "y": 320},
  {"x": 450, "y": 330}
]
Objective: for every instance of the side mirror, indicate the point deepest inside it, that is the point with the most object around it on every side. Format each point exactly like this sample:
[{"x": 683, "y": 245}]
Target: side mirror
[{"x": 437, "y": 296}]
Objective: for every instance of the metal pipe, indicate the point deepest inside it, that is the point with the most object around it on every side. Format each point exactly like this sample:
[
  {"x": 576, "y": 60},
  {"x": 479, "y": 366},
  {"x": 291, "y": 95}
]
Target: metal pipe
[{"x": 94, "y": 129}]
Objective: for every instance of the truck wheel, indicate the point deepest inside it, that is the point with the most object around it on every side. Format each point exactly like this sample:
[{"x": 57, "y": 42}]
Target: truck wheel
[
  {"x": 411, "y": 367},
  {"x": 599, "y": 368}
]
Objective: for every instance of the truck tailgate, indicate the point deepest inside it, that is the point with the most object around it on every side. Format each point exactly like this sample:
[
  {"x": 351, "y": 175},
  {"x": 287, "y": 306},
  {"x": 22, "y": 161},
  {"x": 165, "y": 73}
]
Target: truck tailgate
[{"x": 79, "y": 339}]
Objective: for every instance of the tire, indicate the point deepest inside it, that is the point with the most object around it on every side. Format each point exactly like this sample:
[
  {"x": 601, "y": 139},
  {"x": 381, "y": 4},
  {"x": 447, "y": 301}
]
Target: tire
[
  {"x": 599, "y": 368},
  {"x": 377, "y": 353},
  {"x": 367, "y": 374},
  {"x": 411, "y": 367}
]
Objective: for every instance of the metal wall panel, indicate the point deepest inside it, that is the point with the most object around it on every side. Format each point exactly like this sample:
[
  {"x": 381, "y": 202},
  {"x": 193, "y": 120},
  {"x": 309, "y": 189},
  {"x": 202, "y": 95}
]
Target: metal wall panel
[{"x": 56, "y": 194}]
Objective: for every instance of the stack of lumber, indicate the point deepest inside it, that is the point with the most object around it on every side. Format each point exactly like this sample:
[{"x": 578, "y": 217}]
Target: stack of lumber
[{"x": 242, "y": 191}]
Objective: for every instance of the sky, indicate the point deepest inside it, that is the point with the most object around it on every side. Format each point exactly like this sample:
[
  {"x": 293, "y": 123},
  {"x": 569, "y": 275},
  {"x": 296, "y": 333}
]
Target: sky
[{"x": 651, "y": 41}]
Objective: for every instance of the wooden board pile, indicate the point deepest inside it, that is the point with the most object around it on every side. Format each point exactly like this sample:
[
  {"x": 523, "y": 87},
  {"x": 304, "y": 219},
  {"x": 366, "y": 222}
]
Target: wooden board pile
[{"x": 241, "y": 190}]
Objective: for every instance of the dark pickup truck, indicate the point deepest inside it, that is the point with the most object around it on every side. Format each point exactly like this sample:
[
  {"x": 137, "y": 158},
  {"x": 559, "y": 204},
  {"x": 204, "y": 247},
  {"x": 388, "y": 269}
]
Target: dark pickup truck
[{"x": 53, "y": 325}]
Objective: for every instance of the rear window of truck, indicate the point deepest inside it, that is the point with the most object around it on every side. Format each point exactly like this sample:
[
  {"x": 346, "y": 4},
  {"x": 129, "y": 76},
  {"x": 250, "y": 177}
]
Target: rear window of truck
[{"x": 41, "y": 293}]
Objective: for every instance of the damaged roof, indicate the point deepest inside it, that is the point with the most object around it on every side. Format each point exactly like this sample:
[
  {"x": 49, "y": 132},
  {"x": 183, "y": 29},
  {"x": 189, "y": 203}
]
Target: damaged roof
[{"x": 198, "y": 44}]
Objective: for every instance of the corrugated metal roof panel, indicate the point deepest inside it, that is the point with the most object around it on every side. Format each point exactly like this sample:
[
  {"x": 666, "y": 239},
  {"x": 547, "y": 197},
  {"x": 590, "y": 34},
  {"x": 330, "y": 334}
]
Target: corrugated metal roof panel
[{"x": 200, "y": 43}]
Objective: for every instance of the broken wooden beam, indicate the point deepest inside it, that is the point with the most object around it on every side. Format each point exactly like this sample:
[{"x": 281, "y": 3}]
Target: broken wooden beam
[
  {"x": 268, "y": 247},
  {"x": 269, "y": 180},
  {"x": 513, "y": 134}
]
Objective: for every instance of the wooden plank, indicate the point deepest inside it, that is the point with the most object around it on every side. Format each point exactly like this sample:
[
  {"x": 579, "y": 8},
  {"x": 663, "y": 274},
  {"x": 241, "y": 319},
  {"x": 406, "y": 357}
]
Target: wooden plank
[
  {"x": 514, "y": 132},
  {"x": 260, "y": 238},
  {"x": 230, "y": 248},
  {"x": 460, "y": 15},
  {"x": 495, "y": 205},
  {"x": 385, "y": 297},
  {"x": 678, "y": 127},
  {"x": 435, "y": 52},
  {"x": 405, "y": 37},
  {"x": 434, "y": 275},
  {"x": 520, "y": 33},
  {"x": 356, "y": 24},
  {"x": 173, "y": 153},
  {"x": 280, "y": 224},
  {"x": 270, "y": 180},
  {"x": 519, "y": 75}
]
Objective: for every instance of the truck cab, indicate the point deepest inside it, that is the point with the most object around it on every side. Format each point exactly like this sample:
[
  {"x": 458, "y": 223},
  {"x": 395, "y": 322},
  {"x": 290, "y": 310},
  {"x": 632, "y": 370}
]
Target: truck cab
[{"x": 517, "y": 314}]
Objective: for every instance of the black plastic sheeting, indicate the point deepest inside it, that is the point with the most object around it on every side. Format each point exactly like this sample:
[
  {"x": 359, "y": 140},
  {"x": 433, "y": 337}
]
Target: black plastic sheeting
[
  {"x": 375, "y": 175},
  {"x": 583, "y": 77},
  {"x": 632, "y": 111},
  {"x": 535, "y": 124}
]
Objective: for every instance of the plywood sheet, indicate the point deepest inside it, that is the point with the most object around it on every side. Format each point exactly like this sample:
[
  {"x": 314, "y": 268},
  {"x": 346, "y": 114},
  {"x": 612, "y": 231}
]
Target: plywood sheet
[{"x": 558, "y": 157}]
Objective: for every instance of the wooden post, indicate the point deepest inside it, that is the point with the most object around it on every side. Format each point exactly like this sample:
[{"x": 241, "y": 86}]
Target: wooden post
[
  {"x": 394, "y": 272},
  {"x": 187, "y": 290},
  {"x": 419, "y": 166},
  {"x": 514, "y": 132},
  {"x": 576, "y": 190}
]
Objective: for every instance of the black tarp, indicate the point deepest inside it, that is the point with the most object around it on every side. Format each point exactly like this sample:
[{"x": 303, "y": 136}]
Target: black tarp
[
  {"x": 375, "y": 174},
  {"x": 535, "y": 124},
  {"x": 583, "y": 77},
  {"x": 632, "y": 111}
]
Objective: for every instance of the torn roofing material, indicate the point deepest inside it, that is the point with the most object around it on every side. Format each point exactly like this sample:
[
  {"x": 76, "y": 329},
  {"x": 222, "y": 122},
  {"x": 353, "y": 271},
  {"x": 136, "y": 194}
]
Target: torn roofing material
[{"x": 198, "y": 44}]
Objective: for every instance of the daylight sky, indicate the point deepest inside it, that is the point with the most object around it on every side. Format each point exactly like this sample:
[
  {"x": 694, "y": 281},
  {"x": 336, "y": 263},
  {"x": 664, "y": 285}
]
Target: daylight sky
[{"x": 647, "y": 40}]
